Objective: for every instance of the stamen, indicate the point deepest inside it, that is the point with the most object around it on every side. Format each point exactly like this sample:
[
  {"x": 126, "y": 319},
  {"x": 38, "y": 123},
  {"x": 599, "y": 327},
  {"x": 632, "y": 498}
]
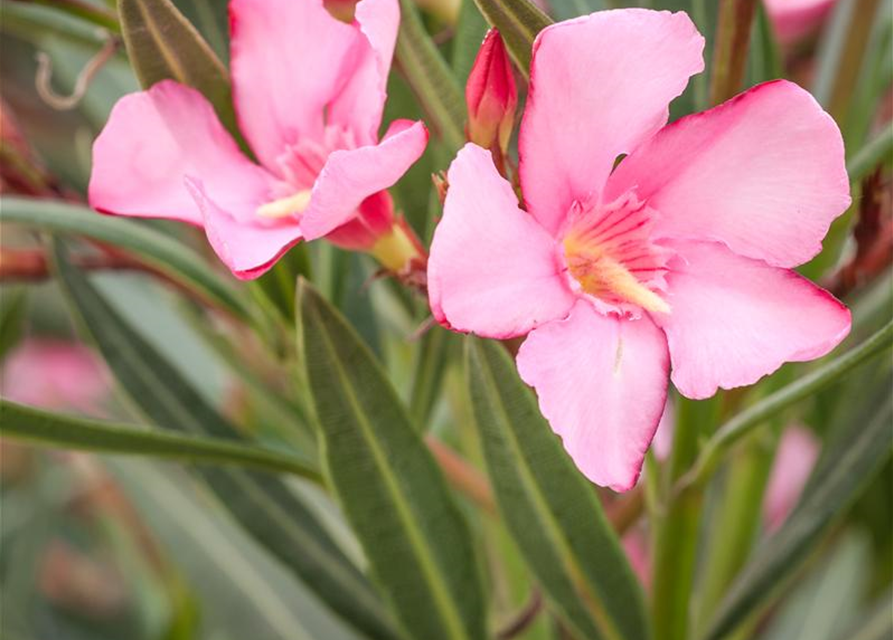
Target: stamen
[
  {"x": 285, "y": 207},
  {"x": 608, "y": 252}
]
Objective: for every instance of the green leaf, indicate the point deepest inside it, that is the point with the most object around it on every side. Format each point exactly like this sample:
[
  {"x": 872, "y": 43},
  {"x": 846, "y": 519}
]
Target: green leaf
[
  {"x": 391, "y": 490},
  {"x": 265, "y": 506},
  {"x": 764, "y": 58},
  {"x": 877, "y": 151},
  {"x": 470, "y": 31},
  {"x": 837, "y": 481},
  {"x": 518, "y": 21},
  {"x": 875, "y": 623},
  {"x": 550, "y": 508},
  {"x": 162, "y": 44},
  {"x": 157, "y": 250},
  {"x": 87, "y": 11},
  {"x": 242, "y": 590},
  {"x": 13, "y": 309},
  {"x": 34, "y": 425},
  {"x": 430, "y": 78},
  {"x": 429, "y": 370}
]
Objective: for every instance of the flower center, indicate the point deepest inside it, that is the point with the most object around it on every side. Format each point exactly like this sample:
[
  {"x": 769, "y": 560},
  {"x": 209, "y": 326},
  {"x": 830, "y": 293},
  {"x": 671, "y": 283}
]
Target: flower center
[
  {"x": 609, "y": 254},
  {"x": 287, "y": 206},
  {"x": 298, "y": 167}
]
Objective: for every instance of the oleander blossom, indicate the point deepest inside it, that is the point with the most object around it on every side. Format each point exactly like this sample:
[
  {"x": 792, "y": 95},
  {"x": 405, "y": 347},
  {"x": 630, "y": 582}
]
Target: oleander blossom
[
  {"x": 308, "y": 91},
  {"x": 676, "y": 257}
]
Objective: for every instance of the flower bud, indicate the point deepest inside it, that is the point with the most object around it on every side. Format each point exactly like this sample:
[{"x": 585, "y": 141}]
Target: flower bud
[
  {"x": 491, "y": 96},
  {"x": 377, "y": 231}
]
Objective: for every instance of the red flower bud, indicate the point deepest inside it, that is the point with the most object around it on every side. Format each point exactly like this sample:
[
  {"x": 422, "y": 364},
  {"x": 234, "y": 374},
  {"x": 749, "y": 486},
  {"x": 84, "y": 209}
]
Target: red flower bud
[{"x": 491, "y": 96}]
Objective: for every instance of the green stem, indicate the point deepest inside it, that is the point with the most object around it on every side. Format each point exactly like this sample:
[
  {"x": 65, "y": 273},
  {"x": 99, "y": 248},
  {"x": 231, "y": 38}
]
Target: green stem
[
  {"x": 847, "y": 72},
  {"x": 756, "y": 415},
  {"x": 50, "y": 429},
  {"x": 733, "y": 29},
  {"x": 676, "y": 528},
  {"x": 736, "y": 521}
]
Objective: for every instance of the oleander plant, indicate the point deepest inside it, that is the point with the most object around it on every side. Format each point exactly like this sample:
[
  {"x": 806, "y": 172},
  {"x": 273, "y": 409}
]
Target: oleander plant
[{"x": 446, "y": 320}]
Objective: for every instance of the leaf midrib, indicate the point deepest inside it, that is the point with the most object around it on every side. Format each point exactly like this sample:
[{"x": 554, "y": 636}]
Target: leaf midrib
[
  {"x": 439, "y": 590},
  {"x": 578, "y": 577}
]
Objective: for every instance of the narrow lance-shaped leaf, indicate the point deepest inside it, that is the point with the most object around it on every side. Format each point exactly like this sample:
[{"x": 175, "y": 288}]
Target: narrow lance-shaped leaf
[
  {"x": 21, "y": 422},
  {"x": 263, "y": 504},
  {"x": 157, "y": 250},
  {"x": 837, "y": 481},
  {"x": 162, "y": 44},
  {"x": 427, "y": 73},
  {"x": 518, "y": 21},
  {"x": 418, "y": 545},
  {"x": 550, "y": 508}
]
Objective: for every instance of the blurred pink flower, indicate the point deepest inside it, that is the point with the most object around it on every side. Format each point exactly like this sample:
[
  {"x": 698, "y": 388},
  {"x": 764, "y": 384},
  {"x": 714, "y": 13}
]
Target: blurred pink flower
[
  {"x": 680, "y": 257},
  {"x": 793, "y": 19},
  {"x": 797, "y": 453},
  {"x": 491, "y": 96},
  {"x": 309, "y": 91},
  {"x": 54, "y": 374}
]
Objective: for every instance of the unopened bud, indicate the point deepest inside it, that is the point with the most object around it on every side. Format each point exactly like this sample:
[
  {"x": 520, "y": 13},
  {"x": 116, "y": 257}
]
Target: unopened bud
[{"x": 491, "y": 96}]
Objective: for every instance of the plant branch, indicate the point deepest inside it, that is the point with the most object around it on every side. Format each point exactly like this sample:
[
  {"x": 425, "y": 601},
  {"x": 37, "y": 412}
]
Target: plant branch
[{"x": 733, "y": 29}]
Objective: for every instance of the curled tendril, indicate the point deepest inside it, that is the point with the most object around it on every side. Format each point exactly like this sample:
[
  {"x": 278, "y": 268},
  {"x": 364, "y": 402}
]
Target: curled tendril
[{"x": 44, "y": 76}]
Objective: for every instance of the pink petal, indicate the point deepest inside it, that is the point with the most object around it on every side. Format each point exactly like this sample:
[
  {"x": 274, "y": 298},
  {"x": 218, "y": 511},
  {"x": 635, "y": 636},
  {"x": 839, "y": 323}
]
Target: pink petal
[
  {"x": 602, "y": 385},
  {"x": 249, "y": 247},
  {"x": 734, "y": 320},
  {"x": 359, "y": 105},
  {"x": 289, "y": 60},
  {"x": 599, "y": 86},
  {"x": 763, "y": 173},
  {"x": 797, "y": 453},
  {"x": 493, "y": 270},
  {"x": 351, "y": 176},
  {"x": 152, "y": 140}
]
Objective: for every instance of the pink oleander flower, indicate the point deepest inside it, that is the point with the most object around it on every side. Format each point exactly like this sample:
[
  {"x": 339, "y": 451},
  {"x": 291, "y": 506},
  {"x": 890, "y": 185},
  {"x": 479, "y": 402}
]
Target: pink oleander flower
[
  {"x": 677, "y": 258},
  {"x": 793, "y": 19},
  {"x": 54, "y": 374},
  {"x": 491, "y": 96},
  {"x": 309, "y": 92},
  {"x": 797, "y": 453}
]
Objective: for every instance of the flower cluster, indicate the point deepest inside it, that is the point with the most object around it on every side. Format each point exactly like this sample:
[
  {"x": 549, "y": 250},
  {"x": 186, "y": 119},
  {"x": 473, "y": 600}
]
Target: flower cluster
[{"x": 640, "y": 252}]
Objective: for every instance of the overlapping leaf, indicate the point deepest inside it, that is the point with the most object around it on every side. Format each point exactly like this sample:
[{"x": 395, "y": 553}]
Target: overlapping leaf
[
  {"x": 157, "y": 250},
  {"x": 418, "y": 545},
  {"x": 550, "y": 508},
  {"x": 34, "y": 425},
  {"x": 265, "y": 506},
  {"x": 837, "y": 481}
]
